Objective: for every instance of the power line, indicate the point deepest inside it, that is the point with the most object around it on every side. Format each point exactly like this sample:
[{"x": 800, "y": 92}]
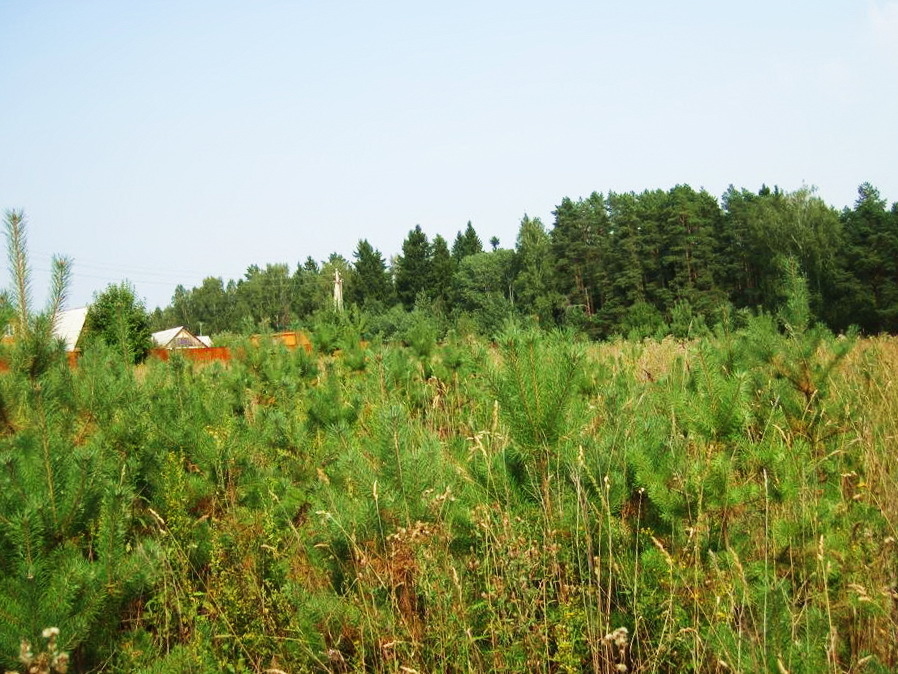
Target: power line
[
  {"x": 133, "y": 279},
  {"x": 78, "y": 262}
]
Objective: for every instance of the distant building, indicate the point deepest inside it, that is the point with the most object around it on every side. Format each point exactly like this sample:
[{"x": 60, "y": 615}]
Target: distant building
[
  {"x": 68, "y": 326},
  {"x": 179, "y": 338}
]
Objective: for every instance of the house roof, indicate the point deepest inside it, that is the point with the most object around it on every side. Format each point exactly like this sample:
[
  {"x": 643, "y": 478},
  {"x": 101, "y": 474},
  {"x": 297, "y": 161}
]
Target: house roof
[
  {"x": 68, "y": 326},
  {"x": 163, "y": 337},
  {"x": 179, "y": 337}
]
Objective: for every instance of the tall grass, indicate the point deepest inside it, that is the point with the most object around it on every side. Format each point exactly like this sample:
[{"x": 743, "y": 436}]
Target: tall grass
[{"x": 531, "y": 504}]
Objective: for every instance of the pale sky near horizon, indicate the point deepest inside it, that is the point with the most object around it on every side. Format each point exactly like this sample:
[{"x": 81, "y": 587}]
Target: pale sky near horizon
[{"x": 164, "y": 142}]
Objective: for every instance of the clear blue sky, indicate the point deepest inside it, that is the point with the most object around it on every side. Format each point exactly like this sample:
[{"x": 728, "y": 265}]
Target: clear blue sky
[{"x": 164, "y": 142}]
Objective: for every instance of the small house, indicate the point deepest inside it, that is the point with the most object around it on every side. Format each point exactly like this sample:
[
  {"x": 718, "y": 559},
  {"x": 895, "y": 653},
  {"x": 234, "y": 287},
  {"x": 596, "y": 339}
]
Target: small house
[{"x": 177, "y": 338}]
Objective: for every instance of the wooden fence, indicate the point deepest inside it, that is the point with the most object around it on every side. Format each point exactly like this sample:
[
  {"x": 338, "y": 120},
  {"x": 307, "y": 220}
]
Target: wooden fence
[
  {"x": 209, "y": 354},
  {"x": 206, "y": 354}
]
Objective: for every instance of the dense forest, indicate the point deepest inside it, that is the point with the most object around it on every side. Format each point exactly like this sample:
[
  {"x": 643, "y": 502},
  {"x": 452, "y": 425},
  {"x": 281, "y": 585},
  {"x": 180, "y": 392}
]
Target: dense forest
[{"x": 631, "y": 264}]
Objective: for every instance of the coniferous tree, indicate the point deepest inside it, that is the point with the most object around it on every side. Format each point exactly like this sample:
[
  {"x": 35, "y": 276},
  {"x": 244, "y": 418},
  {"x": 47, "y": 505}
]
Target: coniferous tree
[
  {"x": 627, "y": 276},
  {"x": 651, "y": 212},
  {"x": 533, "y": 281},
  {"x": 580, "y": 251},
  {"x": 442, "y": 269},
  {"x": 467, "y": 243},
  {"x": 691, "y": 220},
  {"x": 737, "y": 249},
  {"x": 36, "y": 349},
  {"x": 373, "y": 288},
  {"x": 868, "y": 291},
  {"x": 65, "y": 503},
  {"x": 307, "y": 299},
  {"x": 649, "y": 254},
  {"x": 413, "y": 267}
]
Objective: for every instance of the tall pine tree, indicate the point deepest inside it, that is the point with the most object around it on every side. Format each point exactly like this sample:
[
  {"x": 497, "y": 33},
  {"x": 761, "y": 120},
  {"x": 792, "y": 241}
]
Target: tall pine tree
[
  {"x": 467, "y": 243},
  {"x": 533, "y": 287},
  {"x": 373, "y": 288},
  {"x": 442, "y": 269},
  {"x": 413, "y": 267}
]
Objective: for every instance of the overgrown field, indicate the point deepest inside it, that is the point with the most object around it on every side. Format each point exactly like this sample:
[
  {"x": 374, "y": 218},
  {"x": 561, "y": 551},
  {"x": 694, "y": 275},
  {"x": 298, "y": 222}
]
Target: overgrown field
[{"x": 537, "y": 503}]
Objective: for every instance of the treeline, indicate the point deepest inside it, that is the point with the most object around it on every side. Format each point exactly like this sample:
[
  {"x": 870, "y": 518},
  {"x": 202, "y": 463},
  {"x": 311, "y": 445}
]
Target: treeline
[{"x": 616, "y": 263}]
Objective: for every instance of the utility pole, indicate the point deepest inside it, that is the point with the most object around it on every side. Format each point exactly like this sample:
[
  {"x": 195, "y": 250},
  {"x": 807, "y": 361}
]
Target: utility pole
[{"x": 338, "y": 291}]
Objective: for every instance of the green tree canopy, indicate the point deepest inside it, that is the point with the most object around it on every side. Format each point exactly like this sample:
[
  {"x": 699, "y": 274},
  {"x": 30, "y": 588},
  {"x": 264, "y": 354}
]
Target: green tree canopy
[
  {"x": 206, "y": 309},
  {"x": 118, "y": 318},
  {"x": 484, "y": 284},
  {"x": 266, "y": 296}
]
